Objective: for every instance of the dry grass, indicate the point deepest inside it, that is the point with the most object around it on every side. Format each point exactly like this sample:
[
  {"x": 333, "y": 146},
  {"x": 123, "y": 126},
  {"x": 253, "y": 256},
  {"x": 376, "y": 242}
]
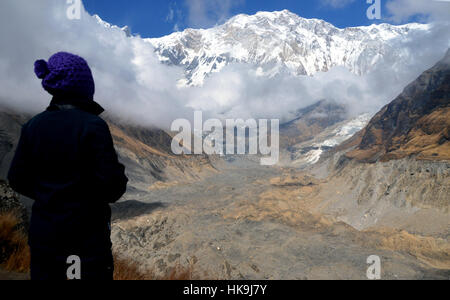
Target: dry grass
[
  {"x": 434, "y": 252},
  {"x": 134, "y": 145},
  {"x": 15, "y": 255},
  {"x": 427, "y": 139},
  {"x": 125, "y": 269},
  {"x": 14, "y": 251}
]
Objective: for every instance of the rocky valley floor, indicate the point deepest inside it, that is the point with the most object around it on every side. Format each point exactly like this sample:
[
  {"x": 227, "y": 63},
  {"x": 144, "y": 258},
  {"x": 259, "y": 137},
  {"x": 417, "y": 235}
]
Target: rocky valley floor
[{"x": 246, "y": 221}]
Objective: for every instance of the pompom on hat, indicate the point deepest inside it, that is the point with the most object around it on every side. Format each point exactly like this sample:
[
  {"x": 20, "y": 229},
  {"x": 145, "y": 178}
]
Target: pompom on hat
[
  {"x": 41, "y": 68},
  {"x": 68, "y": 78}
]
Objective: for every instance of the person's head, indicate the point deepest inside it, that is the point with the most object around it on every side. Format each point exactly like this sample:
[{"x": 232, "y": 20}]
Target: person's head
[{"x": 68, "y": 78}]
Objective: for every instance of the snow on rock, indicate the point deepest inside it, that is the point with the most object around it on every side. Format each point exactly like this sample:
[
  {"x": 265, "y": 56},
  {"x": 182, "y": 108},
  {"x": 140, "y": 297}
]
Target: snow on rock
[{"x": 278, "y": 41}]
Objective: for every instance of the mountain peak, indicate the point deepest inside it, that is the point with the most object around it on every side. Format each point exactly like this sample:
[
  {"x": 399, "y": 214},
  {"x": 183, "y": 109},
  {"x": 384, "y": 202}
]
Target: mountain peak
[
  {"x": 277, "y": 14},
  {"x": 282, "y": 41},
  {"x": 284, "y": 18}
]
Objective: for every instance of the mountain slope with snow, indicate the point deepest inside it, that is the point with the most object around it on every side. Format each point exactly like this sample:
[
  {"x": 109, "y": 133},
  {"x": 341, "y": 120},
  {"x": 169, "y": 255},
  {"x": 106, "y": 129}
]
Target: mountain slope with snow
[
  {"x": 124, "y": 29},
  {"x": 284, "y": 42},
  {"x": 311, "y": 151}
]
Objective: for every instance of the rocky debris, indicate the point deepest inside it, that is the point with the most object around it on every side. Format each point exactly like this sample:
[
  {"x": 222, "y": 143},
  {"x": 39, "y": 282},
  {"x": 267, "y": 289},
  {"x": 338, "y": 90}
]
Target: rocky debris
[
  {"x": 407, "y": 194},
  {"x": 395, "y": 172},
  {"x": 294, "y": 180},
  {"x": 9, "y": 202},
  {"x": 252, "y": 222},
  {"x": 10, "y": 127}
]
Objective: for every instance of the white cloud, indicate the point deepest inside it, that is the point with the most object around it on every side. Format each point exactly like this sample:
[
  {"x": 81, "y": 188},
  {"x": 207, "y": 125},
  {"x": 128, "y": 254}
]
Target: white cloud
[
  {"x": 132, "y": 84},
  {"x": 174, "y": 16},
  {"x": 207, "y": 13},
  {"x": 337, "y": 3},
  {"x": 428, "y": 10},
  {"x": 130, "y": 81},
  {"x": 237, "y": 91},
  {"x": 170, "y": 15}
]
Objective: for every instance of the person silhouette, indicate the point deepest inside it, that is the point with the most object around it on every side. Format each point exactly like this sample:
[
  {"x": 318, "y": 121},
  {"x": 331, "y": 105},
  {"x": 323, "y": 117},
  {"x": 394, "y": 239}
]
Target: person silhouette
[{"x": 66, "y": 162}]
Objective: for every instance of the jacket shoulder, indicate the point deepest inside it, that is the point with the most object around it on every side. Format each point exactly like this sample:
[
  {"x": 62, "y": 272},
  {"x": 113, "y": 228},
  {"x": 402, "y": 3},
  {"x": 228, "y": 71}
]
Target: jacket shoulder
[
  {"x": 96, "y": 121},
  {"x": 34, "y": 120},
  {"x": 97, "y": 127}
]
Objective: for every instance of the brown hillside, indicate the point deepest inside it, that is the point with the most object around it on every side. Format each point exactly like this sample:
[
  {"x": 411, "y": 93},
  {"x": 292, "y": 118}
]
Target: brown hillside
[{"x": 416, "y": 124}]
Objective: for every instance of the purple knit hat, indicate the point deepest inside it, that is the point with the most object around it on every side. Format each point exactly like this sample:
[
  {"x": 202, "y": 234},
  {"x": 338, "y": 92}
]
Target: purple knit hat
[{"x": 66, "y": 74}]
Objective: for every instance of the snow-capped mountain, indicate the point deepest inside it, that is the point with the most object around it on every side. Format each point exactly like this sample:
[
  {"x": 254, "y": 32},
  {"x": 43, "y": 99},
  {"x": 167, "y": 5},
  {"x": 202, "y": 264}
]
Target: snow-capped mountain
[
  {"x": 125, "y": 29},
  {"x": 283, "y": 42}
]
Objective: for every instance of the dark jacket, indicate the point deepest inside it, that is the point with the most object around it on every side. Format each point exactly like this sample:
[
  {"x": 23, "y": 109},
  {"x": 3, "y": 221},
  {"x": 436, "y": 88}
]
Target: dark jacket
[{"x": 66, "y": 162}]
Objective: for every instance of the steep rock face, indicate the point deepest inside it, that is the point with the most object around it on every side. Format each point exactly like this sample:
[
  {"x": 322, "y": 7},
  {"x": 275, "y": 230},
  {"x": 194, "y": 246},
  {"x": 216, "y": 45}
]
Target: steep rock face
[
  {"x": 317, "y": 129},
  {"x": 10, "y": 127},
  {"x": 395, "y": 172},
  {"x": 282, "y": 41},
  {"x": 311, "y": 121},
  {"x": 145, "y": 152},
  {"x": 417, "y": 123},
  {"x": 311, "y": 151},
  {"x": 150, "y": 162}
]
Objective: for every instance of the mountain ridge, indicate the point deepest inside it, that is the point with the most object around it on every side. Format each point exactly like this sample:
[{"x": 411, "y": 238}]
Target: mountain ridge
[
  {"x": 416, "y": 123},
  {"x": 282, "y": 41}
]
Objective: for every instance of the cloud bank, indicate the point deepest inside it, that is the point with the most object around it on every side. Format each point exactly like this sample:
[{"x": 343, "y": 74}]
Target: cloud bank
[
  {"x": 133, "y": 85},
  {"x": 427, "y": 10}
]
